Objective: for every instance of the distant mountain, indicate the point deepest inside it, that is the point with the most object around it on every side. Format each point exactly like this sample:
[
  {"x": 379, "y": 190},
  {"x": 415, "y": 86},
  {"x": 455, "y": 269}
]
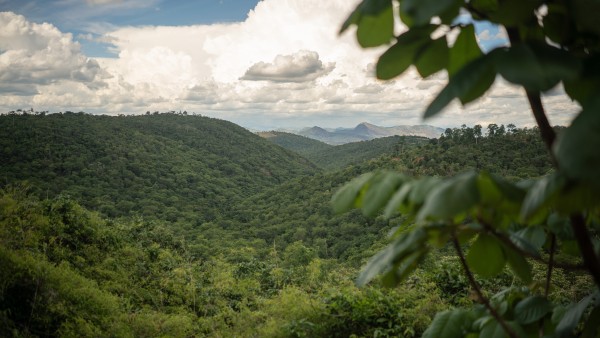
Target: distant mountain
[{"x": 366, "y": 131}]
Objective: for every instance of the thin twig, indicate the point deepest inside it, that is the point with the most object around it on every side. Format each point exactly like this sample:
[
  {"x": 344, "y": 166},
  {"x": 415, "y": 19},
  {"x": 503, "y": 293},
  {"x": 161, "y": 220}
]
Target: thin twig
[
  {"x": 550, "y": 264},
  {"x": 477, "y": 289}
]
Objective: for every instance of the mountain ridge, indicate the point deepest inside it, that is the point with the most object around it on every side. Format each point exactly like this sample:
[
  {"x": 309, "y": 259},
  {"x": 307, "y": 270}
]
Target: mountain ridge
[{"x": 365, "y": 131}]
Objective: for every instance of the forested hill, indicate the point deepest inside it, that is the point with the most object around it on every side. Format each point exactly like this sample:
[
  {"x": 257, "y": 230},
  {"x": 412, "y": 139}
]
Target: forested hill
[
  {"x": 301, "y": 144},
  {"x": 163, "y": 166}
]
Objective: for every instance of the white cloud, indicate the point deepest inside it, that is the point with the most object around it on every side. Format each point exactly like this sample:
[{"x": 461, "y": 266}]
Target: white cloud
[
  {"x": 302, "y": 66},
  {"x": 295, "y": 70},
  {"x": 39, "y": 54}
]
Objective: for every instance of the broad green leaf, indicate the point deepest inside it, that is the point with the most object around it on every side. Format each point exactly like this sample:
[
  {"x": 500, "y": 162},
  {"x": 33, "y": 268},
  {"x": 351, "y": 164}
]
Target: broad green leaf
[
  {"x": 578, "y": 148},
  {"x": 421, "y": 189},
  {"x": 486, "y": 256},
  {"x": 587, "y": 85},
  {"x": 432, "y": 57},
  {"x": 450, "y": 198},
  {"x": 367, "y": 7},
  {"x": 518, "y": 264},
  {"x": 557, "y": 23},
  {"x": 464, "y": 50},
  {"x": 345, "y": 198},
  {"x": 532, "y": 309},
  {"x": 401, "y": 55},
  {"x": 450, "y": 324},
  {"x": 541, "y": 194},
  {"x": 421, "y": 11},
  {"x": 536, "y": 66},
  {"x": 514, "y": 12},
  {"x": 534, "y": 235},
  {"x": 398, "y": 199},
  {"x": 586, "y": 15},
  {"x": 381, "y": 187},
  {"x": 471, "y": 81},
  {"x": 524, "y": 244},
  {"x": 493, "y": 329},
  {"x": 376, "y": 30},
  {"x": 501, "y": 195},
  {"x": 402, "y": 270},
  {"x": 402, "y": 247},
  {"x": 591, "y": 328},
  {"x": 572, "y": 316}
]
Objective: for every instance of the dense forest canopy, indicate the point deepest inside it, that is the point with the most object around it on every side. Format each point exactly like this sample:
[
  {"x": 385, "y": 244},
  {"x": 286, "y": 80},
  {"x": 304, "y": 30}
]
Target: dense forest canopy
[{"x": 272, "y": 259}]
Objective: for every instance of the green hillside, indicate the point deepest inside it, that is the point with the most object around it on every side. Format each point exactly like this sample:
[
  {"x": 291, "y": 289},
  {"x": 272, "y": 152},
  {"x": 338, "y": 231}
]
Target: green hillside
[
  {"x": 166, "y": 166},
  {"x": 262, "y": 256},
  {"x": 339, "y": 157},
  {"x": 299, "y": 144}
]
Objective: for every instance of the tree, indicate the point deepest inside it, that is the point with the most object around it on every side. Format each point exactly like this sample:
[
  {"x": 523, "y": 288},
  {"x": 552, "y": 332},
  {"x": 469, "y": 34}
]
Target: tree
[{"x": 503, "y": 223}]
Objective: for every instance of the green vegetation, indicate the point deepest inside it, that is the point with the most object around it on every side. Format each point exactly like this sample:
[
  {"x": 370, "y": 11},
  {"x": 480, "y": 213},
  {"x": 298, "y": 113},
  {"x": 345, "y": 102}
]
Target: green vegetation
[
  {"x": 274, "y": 261},
  {"x": 499, "y": 222},
  {"x": 299, "y": 144},
  {"x": 164, "y": 166}
]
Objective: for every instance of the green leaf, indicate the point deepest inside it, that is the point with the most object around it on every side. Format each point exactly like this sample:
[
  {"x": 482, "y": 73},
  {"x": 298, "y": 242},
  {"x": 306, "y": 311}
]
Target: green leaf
[
  {"x": 591, "y": 328},
  {"x": 421, "y": 11},
  {"x": 345, "y": 198},
  {"x": 536, "y": 66},
  {"x": 450, "y": 198},
  {"x": 402, "y": 270},
  {"x": 587, "y": 85},
  {"x": 532, "y": 309},
  {"x": 471, "y": 81},
  {"x": 401, "y": 55},
  {"x": 486, "y": 256},
  {"x": 421, "y": 189},
  {"x": 433, "y": 57},
  {"x": 493, "y": 329},
  {"x": 577, "y": 148},
  {"x": 541, "y": 194},
  {"x": 572, "y": 316},
  {"x": 518, "y": 264},
  {"x": 381, "y": 187},
  {"x": 514, "y": 12},
  {"x": 464, "y": 50},
  {"x": 367, "y": 7},
  {"x": 585, "y": 12},
  {"x": 534, "y": 235},
  {"x": 376, "y": 30},
  {"x": 402, "y": 247},
  {"x": 399, "y": 198},
  {"x": 449, "y": 324}
]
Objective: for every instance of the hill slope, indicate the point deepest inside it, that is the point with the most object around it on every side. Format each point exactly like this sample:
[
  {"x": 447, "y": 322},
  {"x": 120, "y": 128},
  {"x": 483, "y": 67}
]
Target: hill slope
[
  {"x": 339, "y": 157},
  {"x": 160, "y": 166},
  {"x": 299, "y": 144}
]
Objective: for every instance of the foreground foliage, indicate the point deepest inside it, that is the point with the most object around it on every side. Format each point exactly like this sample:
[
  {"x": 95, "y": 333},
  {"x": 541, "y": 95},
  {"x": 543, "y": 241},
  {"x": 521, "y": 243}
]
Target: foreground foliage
[{"x": 500, "y": 222}]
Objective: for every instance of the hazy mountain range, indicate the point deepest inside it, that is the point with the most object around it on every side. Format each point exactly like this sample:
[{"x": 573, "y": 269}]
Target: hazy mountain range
[{"x": 366, "y": 131}]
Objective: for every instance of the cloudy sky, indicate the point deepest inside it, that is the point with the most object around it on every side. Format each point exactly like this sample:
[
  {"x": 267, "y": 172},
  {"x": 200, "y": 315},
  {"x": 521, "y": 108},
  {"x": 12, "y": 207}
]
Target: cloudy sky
[{"x": 270, "y": 64}]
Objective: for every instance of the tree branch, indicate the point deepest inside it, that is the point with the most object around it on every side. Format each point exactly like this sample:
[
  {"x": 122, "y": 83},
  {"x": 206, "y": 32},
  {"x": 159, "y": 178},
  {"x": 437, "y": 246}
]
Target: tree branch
[
  {"x": 590, "y": 260},
  {"x": 477, "y": 289},
  {"x": 506, "y": 240}
]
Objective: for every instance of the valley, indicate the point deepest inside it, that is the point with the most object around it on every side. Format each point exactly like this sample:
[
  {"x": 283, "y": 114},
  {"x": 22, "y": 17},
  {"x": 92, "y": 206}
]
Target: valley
[{"x": 173, "y": 225}]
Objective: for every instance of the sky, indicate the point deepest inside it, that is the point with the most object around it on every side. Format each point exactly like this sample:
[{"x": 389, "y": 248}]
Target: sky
[{"x": 270, "y": 64}]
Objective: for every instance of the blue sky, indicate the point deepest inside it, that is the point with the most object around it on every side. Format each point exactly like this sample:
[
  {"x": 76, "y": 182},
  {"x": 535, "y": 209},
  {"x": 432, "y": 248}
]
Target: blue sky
[
  {"x": 270, "y": 64},
  {"x": 82, "y": 17}
]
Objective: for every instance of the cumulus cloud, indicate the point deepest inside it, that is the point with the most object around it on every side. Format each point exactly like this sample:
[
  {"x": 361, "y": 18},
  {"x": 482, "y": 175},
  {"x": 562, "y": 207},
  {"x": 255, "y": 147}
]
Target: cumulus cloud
[
  {"x": 41, "y": 54},
  {"x": 294, "y": 69},
  {"x": 302, "y": 66}
]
